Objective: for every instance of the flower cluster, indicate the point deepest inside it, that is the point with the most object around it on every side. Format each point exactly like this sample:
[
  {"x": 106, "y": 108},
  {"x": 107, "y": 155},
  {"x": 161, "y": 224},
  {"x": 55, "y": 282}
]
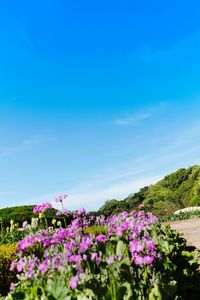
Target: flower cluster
[
  {"x": 42, "y": 208},
  {"x": 60, "y": 198},
  {"x": 70, "y": 250},
  {"x": 125, "y": 254},
  {"x": 63, "y": 212}
]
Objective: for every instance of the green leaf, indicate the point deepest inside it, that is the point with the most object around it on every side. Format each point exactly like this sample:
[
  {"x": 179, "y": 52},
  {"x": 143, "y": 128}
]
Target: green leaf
[
  {"x": 57, "y": 289},
  {"x": 155, "y": 293},
  {"x": 121, "y": 249}
]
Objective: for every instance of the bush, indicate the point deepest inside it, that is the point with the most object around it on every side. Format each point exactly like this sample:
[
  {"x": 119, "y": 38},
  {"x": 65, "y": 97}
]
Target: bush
[
  {"x": 23, "y": 213},
  {"x": 181, "y": 216},
  {"x": 195, "y": 201},
  {"x": 95, "y": 230},
  {"x": 7, "y": 254}
]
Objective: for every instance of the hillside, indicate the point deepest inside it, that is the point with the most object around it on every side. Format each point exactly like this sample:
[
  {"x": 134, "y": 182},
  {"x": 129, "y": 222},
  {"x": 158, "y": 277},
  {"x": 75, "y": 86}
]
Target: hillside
[
  {"x": 19, "y": 214},
  {"x": 177, "y": 190}
]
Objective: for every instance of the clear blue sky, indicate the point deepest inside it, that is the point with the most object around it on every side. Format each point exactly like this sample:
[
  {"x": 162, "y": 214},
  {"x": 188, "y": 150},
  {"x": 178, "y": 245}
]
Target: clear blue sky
[{"x": 97, "y": 98}]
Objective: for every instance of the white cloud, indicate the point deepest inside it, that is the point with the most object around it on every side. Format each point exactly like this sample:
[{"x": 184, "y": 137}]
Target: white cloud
[
  {"x": 93, "y": 199},
  {"x": 139, "y": 116},
  {"x": 133, "y": 120}
]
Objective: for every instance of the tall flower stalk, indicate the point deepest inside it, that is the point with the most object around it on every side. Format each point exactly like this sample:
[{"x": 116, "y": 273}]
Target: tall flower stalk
[{"x": 64, "y": 212}]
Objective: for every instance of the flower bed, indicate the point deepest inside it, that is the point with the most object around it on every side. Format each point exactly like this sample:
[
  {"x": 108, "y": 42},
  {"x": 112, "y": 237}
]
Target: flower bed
[{"x": 127, "y": 256}]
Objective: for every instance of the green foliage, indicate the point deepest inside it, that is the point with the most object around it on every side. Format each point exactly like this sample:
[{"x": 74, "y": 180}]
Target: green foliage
[
  {"x": 112, "y": 206},
  {"x": 18, "y": 214},
  {"x": 195, "y": 201},
  {"x": 24, "y": 213},
  {"x": 7, "y": 254},
  {"x": 12, "y": 237},
  {"x": 181, "y": 216},
  {"x": 95, "y": 230},
  {"x": 177, "y": 190}
]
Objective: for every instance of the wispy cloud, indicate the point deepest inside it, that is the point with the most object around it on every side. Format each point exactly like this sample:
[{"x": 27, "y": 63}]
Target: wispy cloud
[
  {"x": 94, "y": 197},
  {"x": 133, "y": 120},
  {"x": 21, "y": 147},
  {"x": 139, "y": 116}
]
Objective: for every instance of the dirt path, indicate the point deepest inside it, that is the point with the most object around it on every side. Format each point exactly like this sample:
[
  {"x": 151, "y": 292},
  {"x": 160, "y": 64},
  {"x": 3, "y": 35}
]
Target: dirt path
[{"x": 190, "y": 229}]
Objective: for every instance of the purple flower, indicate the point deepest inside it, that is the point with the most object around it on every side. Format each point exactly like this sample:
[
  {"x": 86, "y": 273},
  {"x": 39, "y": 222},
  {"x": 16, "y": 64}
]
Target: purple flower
[
  {"x": 101, "y": 238},
  {"x": 150, "y": 245},
  {"x": 85, "y": 244},
  {"x": 24, "y": 224},
  {"x": 13, "y": 265},
  {"x": 136, "y": 246},
  {"x": 138, "y": 260},
  {"x": 26, "y": 242},
  {"x": 60, "y": 198},
  {"x": 12, "y": 286},
  {"x": 73, "y": 282},
  {"x": 21, "y": 264},
  {"x": 30, "y": 273},
  {"x": 42, "y": 208},
  {"x": 85, "y": 257},
  {"x": 32, "y": 263},
  {"x": 111, "y": 260},
  {"x": 75, "y": 258},
  {"x": 93, "y": 256},
  {"x": 64, "y": 212},
  {"x": 148, "y": 259},
  {"x": 43, "y": 267}
]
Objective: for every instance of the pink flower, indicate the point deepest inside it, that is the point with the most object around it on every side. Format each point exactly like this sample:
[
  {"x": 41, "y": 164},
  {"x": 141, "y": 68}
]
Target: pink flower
[
  {"x": 12, "y": 286},
  {"x": 111, "y": 260},
  {"x": 43, "y": 267},
  {"x": 60, "y": 198},
  {"x": 84, "y": 245},
  {"x": 101, "y": 238},
  {"x": 85, "y": 257},
  {"x": 26, "y": 242},
  {"x": 73, "y": 282},
  {"x": 93, "y": 256},
  {"x": 13, "y": 265},
  {"x": 148, "y": 259},
  {"x": 21, "y": 264},
  {"x": 150, "y": 245},
  {"x": 42, "y": 208},
  {"x": 139, "y": 260},
  {"x": 24, "y": 224}
]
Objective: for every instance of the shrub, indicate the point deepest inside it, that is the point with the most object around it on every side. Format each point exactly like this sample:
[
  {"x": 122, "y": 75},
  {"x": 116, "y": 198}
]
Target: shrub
[
  {"x": 195, "y": 201},
  {"x": 7, "y": 254},
  {"x": 23, "y": 213},
  {"x": 95, "y": 230},
  {"x": 181, "y": 216}
]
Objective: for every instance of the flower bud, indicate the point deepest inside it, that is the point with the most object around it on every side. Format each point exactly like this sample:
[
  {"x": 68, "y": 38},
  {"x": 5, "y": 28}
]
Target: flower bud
[
  {"x": 54, "y": 221},
  {"x": 41, "y": 215},
  {"x": 59, "y": 223}
]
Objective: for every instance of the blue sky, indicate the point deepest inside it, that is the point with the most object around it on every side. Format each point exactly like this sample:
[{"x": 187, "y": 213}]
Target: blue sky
[{"x": 97, "y": 99}]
